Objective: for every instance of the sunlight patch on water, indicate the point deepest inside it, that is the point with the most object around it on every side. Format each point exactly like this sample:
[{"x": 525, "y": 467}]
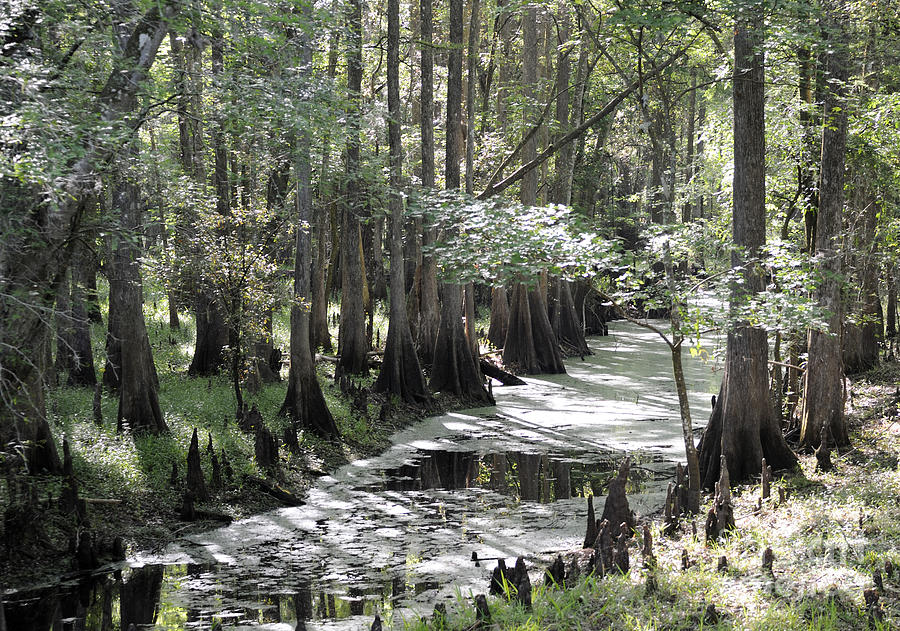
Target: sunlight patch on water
[{"x": 395, "y": 533}]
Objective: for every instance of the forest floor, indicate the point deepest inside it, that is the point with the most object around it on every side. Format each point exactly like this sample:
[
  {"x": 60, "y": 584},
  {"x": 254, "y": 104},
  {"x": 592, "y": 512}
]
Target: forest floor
[{"x": 834, "y": 536}]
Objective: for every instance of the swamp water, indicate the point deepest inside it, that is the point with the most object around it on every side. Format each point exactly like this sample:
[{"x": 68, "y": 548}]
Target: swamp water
[{"x": 395, "y": 534}]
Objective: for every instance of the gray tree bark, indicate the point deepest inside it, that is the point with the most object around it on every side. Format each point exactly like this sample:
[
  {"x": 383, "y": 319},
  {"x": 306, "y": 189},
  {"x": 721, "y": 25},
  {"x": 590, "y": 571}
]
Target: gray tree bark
[
  {"x": 530, "y": 345},
  {"x": 743, "y": 426},
  {"x": 400, "y": 373},
  {"x": 82, "y": 369},
  {"x": 823, "y": 391},
  {"x": 453, "y": 367},
  {"x": 138, "y": 398},
  {"x": 304, "y": 401},
  {"x": 212, "y": 330},
  {"x": 428, "y": 307},
  {"x": 352, "y": 342},
  {"x": 861, "y": 338}
]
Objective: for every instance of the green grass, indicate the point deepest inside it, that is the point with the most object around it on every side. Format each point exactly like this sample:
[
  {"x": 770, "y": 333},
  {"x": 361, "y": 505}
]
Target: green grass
[
  {"x": 744, "y": 598},
  {"x": 111, "y": 464}
]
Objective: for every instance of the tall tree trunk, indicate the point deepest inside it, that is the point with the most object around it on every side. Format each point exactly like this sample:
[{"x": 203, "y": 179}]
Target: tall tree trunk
[
  {"x": 890, "y": 319},
  {"x": 563, "y": 72},
  {"x": 90, "y": 290},
  {"x": 528, "y": 194},
  {"x": 174, "y": 323},
  {"x": 499, "y": 316},
  {"x": 453, "y": 368},
  {"x": 112, "y": 368},
  {"x": 743, "y": 426},
  {"x": 809, "y": 194},
  {"x": 400, "y": 372},
  {"x": 65, "y": 357},
  {"x": 684, "y": 406},
  {"x": 566, "y": 159},
  {"x": 429, "y": 305},
  {"x": 319, "y": 332},
  {"x": 188, "y": 87},
  {"x": 687, "y": 210},
  {"x": 235, "y": 343},
  {"x": 823, "y": 392},
  {"x": 82, "y": 369},
  {"x": 352, "y": 343},
  {"x": 563, "y": 318},
  {"x": 212, "y": 335},
  {"x": 862, "y": 336},
  {"x": 808, "y": 203},
  {"x": 379, "y": 282},
  {"x": 304, "y": 401},
  {"x": 138, "y": 399},
  {"x": 530, "y": 345},
  {"x": 471, "y": 83},
  {"x": 320, "y": 335},
  {"x": 212, "y": 329},
  {"x": 565, "y": 322},
  {"x": 499, "y": 296}
]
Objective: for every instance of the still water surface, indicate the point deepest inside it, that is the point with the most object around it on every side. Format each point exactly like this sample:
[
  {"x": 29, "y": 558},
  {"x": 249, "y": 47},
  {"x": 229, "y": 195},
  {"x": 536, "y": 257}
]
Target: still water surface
[{"x": 395, "y": 534}]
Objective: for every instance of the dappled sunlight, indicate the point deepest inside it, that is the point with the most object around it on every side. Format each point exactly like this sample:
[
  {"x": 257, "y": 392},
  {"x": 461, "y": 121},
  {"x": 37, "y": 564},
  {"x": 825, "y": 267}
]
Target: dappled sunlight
[
  {"x": 111, "y": 459},
  {"x": 484, "y": 481},
  {"x": 396, "y": 533}
]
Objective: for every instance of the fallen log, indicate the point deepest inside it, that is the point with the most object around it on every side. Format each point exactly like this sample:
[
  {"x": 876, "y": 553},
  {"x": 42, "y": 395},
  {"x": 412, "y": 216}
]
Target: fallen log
[
  {"x": 209, "y": 515},
  {"x": 285, "y": 497},
  {"x": 493, "y": 371}
]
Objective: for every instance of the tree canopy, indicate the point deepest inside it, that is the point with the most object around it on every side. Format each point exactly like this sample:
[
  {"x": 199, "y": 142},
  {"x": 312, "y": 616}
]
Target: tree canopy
[{"x": 189, "y": 145}]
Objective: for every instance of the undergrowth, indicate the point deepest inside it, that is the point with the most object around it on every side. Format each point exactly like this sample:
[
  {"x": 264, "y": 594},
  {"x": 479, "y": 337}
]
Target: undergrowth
[
  {"x": 135, "y": 469},
  {"x": 830, "y": 535}
]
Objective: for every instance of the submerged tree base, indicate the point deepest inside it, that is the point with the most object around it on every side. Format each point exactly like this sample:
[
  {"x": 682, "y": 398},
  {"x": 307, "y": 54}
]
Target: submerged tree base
[
  {"x": 454, "y": 370},
  {"x": 531, "y": 346}
]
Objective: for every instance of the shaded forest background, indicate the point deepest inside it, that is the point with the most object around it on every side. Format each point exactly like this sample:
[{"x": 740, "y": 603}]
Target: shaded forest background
[{"x": 262, "y": 181}]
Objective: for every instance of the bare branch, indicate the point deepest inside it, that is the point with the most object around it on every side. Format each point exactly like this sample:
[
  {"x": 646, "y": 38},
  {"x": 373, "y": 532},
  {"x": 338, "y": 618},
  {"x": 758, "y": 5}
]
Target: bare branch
[{"x": 610, "y": 107}]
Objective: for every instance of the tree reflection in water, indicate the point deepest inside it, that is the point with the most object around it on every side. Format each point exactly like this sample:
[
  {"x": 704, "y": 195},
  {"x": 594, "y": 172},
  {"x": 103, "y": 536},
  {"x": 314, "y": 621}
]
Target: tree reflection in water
[{"x": 524, "y": 476}]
